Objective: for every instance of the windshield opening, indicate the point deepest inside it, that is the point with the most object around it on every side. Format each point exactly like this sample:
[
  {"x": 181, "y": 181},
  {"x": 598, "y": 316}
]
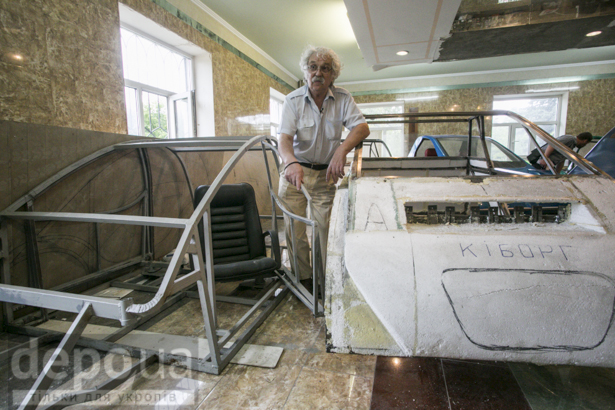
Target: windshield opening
[{"x": 458, "y": 147}]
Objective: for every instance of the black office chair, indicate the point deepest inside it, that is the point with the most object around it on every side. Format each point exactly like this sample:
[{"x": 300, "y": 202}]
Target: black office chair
[{"x": 238, "y": 241}]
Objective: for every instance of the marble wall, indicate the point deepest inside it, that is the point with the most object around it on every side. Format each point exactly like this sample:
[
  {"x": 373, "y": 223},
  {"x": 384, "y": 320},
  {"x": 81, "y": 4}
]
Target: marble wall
[
  {"x": 61, "y": 64},
  {"x": 590, "y": 108}
]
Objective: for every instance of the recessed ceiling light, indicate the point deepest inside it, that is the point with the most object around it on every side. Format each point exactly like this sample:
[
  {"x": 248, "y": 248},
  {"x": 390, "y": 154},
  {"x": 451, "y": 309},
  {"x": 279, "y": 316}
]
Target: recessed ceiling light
[
  {"x": 402, "y": 53},
  {"x": 593, "y": 33}
]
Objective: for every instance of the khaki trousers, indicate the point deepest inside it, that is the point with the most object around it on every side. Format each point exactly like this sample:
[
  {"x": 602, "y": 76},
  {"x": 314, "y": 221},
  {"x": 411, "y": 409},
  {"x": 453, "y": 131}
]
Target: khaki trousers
[{"x": 322, "y": 193}]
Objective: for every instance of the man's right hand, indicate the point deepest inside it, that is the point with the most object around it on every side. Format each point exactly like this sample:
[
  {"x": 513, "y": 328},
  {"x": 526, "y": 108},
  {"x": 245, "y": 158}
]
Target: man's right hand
[{"x": 294, "y": 175}]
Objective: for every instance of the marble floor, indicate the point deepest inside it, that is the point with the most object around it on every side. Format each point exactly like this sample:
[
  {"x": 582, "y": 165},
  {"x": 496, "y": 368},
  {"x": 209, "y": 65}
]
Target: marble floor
[
  {"x": 431, "y": 383},
  {"x": 307, "y": 377}
]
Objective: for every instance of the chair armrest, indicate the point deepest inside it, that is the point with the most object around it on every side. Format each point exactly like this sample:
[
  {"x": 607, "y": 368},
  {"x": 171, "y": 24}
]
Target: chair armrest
[{"x": 275, "y": 247}]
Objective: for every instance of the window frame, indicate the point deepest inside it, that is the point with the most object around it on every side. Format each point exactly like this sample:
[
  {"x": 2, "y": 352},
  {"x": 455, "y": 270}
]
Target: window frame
[
  {"x": 513, "y": 126},
  {"x": 169, "y": 95},
  {"x": 278, "y": 98},
  {"x": 384, "y": 127}
]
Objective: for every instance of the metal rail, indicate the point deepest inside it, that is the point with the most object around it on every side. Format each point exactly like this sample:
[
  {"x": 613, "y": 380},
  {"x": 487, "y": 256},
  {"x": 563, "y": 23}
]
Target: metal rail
[
  {"x": 373, "y": 142},
  {"x": 311, "y": 299},
  {"x": 479, "y": 116},
  {"x": 172, "y": 284}
]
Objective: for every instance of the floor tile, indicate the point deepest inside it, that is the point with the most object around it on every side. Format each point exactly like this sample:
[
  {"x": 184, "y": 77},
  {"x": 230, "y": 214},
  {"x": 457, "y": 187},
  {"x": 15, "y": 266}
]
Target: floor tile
[
  {"x": 354, "y": 364},
  {"x": 482, "y": 385},
  {"x": 408, "y": 383},
  {"x": 162, "y": 386},
  {"x": 9, "y": 341},
  {"x": 246, "y": 387},
  {"x": 316, "y": 389},
  {"x": 186, "y": 320},
  {"x": 291, "y": 324},
  {"x": 320, "y": 343},
  {"x": 83, "y": 377},
  {"x": 566, "y": 387}
]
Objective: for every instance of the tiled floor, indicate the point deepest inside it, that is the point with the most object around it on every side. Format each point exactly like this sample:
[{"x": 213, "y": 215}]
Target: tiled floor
[
  {"x": 433, "y": 384},
  {"x": 309, "y": 378},
  {"x": 305, "y": 378}
]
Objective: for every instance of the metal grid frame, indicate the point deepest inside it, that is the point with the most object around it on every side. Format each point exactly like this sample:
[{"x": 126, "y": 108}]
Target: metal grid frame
[
  {"x": 469, "y": 117},
  {"x": 173, "y": 286}
]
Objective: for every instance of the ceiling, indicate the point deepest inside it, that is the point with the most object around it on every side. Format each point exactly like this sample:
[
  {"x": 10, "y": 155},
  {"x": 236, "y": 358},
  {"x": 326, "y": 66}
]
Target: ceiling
[{"x": 441, "y": 36}]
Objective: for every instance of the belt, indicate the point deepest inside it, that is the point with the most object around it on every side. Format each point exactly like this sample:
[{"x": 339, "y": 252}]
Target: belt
[{"x": 317, "y": 167}]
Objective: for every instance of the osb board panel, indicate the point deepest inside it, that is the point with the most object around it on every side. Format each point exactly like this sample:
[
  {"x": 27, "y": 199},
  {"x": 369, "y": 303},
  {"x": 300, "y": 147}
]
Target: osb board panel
[
  {"x": 114, "y": 181},
  {"x": 70, "y": 73}
]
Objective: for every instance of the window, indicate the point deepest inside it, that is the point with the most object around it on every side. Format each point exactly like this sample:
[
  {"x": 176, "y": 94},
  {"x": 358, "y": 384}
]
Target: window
[
  {"x": 391, "y": 134},
  {"x": 158, "y": 84},
  {"x": 458, "y": 146},
  {"x": 276, "y": 102},
  {"x": 547, "y": 111}
]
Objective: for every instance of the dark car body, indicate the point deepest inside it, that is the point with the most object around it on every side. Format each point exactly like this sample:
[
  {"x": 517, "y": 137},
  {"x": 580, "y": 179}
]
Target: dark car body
[
  {"x": 602, "y": 155},
  {"x": 456, "y": 146}
]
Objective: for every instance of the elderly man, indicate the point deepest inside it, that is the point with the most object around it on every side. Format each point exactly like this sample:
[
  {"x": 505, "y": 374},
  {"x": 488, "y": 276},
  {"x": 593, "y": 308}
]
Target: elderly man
[{"x": 311, "y": 148}]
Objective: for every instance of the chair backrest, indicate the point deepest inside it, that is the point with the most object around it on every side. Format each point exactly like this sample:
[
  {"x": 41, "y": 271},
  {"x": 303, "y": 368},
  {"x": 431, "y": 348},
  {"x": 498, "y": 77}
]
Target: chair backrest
[
  {"x": 235, "y": 224},
  {"x": 431, "y": 152}
]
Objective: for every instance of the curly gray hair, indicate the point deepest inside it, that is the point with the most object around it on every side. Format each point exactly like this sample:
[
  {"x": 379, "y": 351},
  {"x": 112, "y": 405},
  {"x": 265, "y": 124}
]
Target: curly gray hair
[{"x": 325, "y": 54}]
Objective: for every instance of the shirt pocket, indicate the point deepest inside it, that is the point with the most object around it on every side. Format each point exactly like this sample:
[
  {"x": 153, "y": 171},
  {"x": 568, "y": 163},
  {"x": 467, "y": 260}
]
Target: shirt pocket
[
  {"x": 305, "y": 129},
  {"x": 333, "y": 129}
]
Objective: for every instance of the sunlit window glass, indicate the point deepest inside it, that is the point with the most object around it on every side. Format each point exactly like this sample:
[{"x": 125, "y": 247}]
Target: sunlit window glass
[
  {"x": 157, "y": 87},
  {"x": 544, "y": 111},
  {"x": 132, "y": 112},
  {"x": 155, "y": 115},
  {"x": 534, "y": 109},
  {"x": 152, "y": 64},
  {"x": 391, "y": 134}
]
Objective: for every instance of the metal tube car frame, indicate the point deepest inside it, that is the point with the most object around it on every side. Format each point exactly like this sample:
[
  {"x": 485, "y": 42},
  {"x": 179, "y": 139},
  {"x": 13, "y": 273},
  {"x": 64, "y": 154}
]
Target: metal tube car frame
[
  {"x": 174, "y": 284},
  {"x": 478, "y": 117}
]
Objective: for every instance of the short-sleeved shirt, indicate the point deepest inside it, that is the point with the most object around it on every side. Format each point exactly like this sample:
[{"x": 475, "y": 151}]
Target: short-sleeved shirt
[
  {"x": 568, "y": 140},
  {"x": 317, "y": 135}
]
